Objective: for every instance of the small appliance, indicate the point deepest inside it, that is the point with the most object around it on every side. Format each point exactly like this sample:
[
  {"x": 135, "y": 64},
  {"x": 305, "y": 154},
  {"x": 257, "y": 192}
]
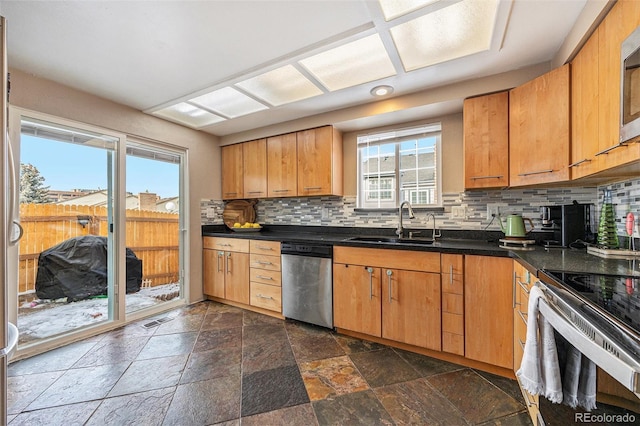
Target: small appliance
[
  {"x": 566, "y": 224},
  {"x": 514, "y": 226}
]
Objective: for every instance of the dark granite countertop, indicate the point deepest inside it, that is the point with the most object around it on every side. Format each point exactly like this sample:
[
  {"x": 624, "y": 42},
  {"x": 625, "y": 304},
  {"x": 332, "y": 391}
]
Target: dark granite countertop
[{"x": 456, "y": 242}]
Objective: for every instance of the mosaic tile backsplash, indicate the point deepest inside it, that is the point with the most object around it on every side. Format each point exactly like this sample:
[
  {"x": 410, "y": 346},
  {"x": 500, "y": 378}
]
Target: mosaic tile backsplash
[{"x": 470, "y": 208}]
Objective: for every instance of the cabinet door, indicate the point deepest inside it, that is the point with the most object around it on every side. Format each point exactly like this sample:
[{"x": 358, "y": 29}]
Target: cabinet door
[
  {"x": 282, "y": 166},
  {"x": 411, "y": 308},
  {"x": 584, "y": 110},
  {"x": 213, "y": 273},
  {"x": 237, "y": 277},
  {"x": 356, "y": 298},
  {"x": 486, "y": 141},
  {"x": 315, "y": 161},
  {"x": 621, "y": 20},
  {"x": 254, "y": 156},
  {"x": 539, "y": 130},
  {"x": 488, "y": 310},
  {"x": 232, "y": 170}
]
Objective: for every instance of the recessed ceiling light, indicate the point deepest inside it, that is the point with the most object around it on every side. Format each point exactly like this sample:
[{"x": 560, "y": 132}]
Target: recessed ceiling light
[
  {"x": 188, "y": 114},
  {"x": 228, "y": 102},
  {"x": 459, "y": 30},
  {"x": 280, "y": 86},
  {"x": 354, "y": 63},
  {"x": 393, "y": 8},
  {"x": 382, "y": 90}
]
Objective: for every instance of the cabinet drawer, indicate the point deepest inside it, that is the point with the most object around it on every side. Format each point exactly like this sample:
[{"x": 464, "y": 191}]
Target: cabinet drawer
[
  {"x": 226, "y": 244},
  {"x": 266, "y": 276},
  {"x": 452, "y": 266},
  {"x": 388, "y": 258},
  {"x": 262, "y": 261},
  {"x": 452, "y": 323},
  {"x": 452, "y": 303},
  {"x": 271, "y": 248},
  {"x": 453, "y": 343},
  {"x": 266, "y": 296}
]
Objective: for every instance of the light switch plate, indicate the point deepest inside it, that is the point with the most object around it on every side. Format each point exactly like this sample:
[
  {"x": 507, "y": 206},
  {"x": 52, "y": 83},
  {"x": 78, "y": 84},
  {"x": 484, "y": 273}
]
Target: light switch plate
[
  {"x": 459, "y": 212},
  {"x": 211, "y": 212},
  {"x": 492, "y": 211}
]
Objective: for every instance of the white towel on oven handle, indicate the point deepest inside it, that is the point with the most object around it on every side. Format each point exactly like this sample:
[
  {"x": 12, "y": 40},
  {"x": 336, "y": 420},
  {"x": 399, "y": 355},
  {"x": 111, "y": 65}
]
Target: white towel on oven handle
[{"x": 539, "y": 372}]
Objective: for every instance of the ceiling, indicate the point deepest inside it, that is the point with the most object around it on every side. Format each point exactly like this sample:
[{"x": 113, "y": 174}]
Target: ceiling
[{"x": 150, "y": 55}]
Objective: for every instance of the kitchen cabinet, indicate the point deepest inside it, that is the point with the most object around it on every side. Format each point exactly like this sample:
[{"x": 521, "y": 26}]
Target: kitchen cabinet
[
  {"x": 452, "y": 266},
  {"x": 539, "y": 129},
  {"x": 621, "y": 20},
  {"x": 282, "y": 166},
  {"x": 393, "y": 294},
  {"x": 254, "y": 167},
  {"x": 585, "y": 110},
  {"x": 319, "y": 161},
  {"x": 486, "y": 141},
  {"x": 488, "y": 310},
  {"x": 232, "y": 172},
  {"x": 265, "y": 275},
  {"x": 522, "y": 282},
  {"x": 226, "y": 263}
]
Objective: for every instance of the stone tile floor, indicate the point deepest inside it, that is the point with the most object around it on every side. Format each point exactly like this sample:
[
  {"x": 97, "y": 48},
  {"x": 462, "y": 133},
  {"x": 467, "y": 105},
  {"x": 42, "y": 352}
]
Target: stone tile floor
[{"x": 216, "y": 364}]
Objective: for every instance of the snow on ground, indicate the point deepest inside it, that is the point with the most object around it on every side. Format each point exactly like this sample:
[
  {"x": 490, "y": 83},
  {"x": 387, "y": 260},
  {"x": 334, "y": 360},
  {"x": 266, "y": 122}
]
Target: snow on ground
[{"x": 44, "y": 318}]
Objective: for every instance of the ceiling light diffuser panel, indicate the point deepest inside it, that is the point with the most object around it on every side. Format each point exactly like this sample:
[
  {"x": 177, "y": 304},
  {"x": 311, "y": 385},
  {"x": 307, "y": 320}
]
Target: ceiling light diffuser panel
[
  {"x": 392, "y": 9},
  {"x": 459, "y": 30},
  {"x": 228, "y": 102},
  {"x": 188, "y": 114},
  {"x": 280, "y": 86},
  {"x": 351, "y": 64}
]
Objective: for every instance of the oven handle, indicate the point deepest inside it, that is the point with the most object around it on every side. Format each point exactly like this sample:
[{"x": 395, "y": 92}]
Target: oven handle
[{"x": 625, "y": 373}]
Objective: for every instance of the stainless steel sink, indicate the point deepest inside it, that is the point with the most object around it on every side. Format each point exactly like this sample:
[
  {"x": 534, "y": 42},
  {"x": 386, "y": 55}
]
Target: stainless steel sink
[{"x": 391, "y": 240}]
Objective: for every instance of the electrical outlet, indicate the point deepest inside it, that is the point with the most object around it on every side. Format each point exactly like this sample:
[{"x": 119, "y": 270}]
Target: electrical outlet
[
  {"x": 325, "y": 213},
  {"x": 458, "y": 212},
  {"x": 211, "y": 212},
  {"x": 492, "y": 211}
]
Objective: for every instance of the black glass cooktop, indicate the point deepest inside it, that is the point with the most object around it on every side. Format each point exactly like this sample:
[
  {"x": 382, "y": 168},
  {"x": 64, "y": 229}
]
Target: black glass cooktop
[{"x": 617, "y": 295}]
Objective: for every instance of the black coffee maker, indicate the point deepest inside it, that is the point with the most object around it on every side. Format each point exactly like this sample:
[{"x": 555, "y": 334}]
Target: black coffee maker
[{"x": 566, "y": 225}]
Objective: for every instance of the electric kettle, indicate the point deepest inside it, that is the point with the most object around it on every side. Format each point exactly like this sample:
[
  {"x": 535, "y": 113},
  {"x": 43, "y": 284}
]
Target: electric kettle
[{"x": 514, "y": 226}]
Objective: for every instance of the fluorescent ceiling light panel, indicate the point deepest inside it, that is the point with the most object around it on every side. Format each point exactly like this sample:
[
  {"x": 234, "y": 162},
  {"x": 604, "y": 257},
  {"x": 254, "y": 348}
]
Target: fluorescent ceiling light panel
[
  {"x": 453, "y": 32},
  {"x": 228, "y": 102},
  {"x": 188, "y": 114},
  {"x": 281, "y": 86},
  {"x": 395, "y": 8},
  {"x": 351, "y": 64}
]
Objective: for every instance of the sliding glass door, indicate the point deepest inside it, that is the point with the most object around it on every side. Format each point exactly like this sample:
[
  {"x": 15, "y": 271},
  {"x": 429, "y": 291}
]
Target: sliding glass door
[{"x": 67, "y": 256}]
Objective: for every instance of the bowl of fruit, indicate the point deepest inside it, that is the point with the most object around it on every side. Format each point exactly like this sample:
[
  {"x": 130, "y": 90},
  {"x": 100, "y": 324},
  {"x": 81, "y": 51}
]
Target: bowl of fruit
[{"x": 245, "y": 227}]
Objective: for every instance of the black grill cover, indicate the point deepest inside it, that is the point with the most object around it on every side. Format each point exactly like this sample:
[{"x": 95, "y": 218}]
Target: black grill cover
[{"x": 77, "y": 269}]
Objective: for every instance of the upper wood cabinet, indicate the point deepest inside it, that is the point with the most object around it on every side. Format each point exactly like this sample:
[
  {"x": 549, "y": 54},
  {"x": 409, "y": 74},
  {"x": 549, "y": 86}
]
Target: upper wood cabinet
[
  {"x": 486, "y": 141},
  {"x": 282, "y": 166},
  {"x": 585, "y": 110},
  {"x": 539, "y": 129},
  {"x": 319, "y": 162},
  {"x": 254, "y": 155},
  {"x": 621, "y": 21},
  {"x": 232, "y": 172}
]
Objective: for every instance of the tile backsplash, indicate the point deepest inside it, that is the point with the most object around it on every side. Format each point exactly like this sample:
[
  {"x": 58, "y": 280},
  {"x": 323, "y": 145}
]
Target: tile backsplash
[{"x": 470, "y": 206}]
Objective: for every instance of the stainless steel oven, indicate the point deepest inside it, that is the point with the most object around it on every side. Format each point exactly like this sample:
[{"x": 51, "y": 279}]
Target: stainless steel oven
[{"x": 600, "y": 316}]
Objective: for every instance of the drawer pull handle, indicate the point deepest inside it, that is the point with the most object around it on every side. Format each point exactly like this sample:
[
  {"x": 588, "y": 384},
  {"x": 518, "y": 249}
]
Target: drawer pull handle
[
  {"x": 521, "y": 343},
  {"x": 487, "y": 177},
  {"x": 513, "y": 288},
  {"x": 223, "y": 245},
  {"x": 312, "y": 188},
  {"x": 281, "y": 190},
  {"x": 256, "y": 192},
  {"x": 389, "y": 273},
  {"x": 260, "y": 262},
  {"x": 264, "y": 297},
  {"x": 370, "y": 271},
  {"x": 220, "y": 254},
  {"x": 611, "y": 148},
  {"x": 262, "y": 277},
  {"x": 264, "y": 248},
  {"x": 538, "y": 172},
  {"x": 451, "y": 274},
  {"x": 524, "y": 286},
  {"x": 523, "y": 316},
  {"x": 228, "y": 263}
]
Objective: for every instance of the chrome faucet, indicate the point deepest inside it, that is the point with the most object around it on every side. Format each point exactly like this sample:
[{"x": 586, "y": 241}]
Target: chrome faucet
[
  {"x": 436, "y": 233},
  {"x": 400, "y": 229}
]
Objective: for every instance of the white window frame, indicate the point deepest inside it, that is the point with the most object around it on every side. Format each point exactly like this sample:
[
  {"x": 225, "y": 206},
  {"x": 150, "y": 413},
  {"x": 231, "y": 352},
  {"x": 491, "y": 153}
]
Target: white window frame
[{"x": 398, "y": 136}]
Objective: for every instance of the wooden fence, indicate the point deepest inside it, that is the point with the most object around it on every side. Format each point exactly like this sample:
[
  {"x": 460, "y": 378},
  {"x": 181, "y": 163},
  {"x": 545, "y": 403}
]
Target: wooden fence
[{"x": 153, "y": 237}]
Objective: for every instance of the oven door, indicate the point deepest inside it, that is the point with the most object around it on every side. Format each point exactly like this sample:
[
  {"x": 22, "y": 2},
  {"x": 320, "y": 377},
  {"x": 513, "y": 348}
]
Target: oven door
[{"x": 608, "y": 346}]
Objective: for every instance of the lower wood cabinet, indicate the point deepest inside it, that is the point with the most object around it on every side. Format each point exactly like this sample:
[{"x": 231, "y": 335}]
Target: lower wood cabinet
[
  {"x": 382, "y": 300},
  {"x": 488, "y": 310},
  {"x": 265, "y": 275}
]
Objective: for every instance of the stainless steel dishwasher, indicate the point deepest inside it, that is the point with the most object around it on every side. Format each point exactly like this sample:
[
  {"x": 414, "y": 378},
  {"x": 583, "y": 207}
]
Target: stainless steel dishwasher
[{"x": 307, "y": 284}]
